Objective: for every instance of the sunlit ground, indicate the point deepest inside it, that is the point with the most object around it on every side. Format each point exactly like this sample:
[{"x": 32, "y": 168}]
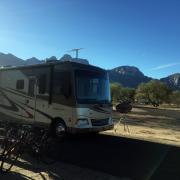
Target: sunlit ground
[{"x": 152, "y": 124}]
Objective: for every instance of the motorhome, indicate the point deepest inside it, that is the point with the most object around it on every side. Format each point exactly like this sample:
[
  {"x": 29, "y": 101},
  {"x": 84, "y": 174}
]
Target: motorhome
[{"x": 66, "y": 96}]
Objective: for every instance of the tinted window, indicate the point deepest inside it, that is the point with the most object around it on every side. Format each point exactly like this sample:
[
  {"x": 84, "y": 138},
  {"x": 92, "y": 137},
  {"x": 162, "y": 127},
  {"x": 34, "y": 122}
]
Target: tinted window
[
  {"x": 61, "y": 83},
  {"x": 20, "y": 84},
  {"x": 31, "y": 90},
  {"x": 42, "y": 81},
  {"x": 92, "y": 86}
]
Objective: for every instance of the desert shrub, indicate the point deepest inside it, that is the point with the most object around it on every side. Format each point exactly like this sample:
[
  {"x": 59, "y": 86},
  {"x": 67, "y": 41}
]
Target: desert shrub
[
  {"x": 120, "y": 93},
  {"x": 175, "y": 98},
  {"x": 153, "y": 92}
]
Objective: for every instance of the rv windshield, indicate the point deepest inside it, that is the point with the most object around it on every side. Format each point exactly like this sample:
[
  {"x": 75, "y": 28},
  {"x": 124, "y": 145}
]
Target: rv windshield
[{"x": 92, "y": 87}]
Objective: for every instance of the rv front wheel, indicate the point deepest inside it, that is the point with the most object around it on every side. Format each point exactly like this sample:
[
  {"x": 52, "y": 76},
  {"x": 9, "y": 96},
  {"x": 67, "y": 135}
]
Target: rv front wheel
[{"x": 60, "y": 129}]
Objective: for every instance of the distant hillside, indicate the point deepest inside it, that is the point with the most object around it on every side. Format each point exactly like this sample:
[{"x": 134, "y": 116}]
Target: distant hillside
[
  {"x": 11, "y": 60},
  {"x": 128, "y": 76},
  {"x": 32, "y": 60},
  {"x": 173, "y": 81}
]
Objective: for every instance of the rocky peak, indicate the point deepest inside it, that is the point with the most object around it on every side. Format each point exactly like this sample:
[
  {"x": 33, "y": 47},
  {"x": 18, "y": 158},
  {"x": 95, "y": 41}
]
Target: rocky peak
[
  {"x": 173, "y": 81},
  {"x": 128, "y": 70},
  {"x": 128, "y": 76},
  {"x": 33, "y": 60}
]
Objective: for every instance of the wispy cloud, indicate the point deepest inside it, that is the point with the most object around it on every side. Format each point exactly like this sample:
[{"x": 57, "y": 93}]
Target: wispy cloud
[{"x": 165, "y": 66}]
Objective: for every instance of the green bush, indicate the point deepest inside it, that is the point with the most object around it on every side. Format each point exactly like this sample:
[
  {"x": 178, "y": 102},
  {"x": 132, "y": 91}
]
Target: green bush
[
  {"x": 153, "y": 92},
  {"x": 120, "y": 93}
]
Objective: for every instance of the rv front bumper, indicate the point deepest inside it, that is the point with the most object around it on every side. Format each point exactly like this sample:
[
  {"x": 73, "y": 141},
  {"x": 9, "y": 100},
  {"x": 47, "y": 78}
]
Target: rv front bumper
[{"x": 92, "y": 129}]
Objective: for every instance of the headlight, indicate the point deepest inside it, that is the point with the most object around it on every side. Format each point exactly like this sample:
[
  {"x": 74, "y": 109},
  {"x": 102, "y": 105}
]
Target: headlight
[{"x": 82, "y": 122}]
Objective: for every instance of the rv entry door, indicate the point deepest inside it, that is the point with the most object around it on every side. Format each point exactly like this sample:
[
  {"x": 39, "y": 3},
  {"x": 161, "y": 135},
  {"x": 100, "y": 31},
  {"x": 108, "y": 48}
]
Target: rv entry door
[{"x": 32, "y": 92}]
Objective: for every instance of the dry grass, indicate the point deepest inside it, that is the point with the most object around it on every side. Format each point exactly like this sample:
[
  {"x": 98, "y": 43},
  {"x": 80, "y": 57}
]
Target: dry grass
[{"x": 152, "y": 124}]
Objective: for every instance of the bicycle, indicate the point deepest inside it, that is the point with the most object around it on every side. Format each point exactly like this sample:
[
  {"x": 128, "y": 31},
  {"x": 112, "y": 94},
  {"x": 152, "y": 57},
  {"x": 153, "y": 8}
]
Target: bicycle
[
  {"x": 13, "y": 146},
  {"x": 28, "y": 139}
]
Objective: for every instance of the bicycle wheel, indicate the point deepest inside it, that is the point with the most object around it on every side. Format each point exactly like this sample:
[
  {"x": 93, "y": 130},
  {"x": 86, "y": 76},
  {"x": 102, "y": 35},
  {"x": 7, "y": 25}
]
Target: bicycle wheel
[
  {"x": 10, "y": 157},
  {"x": 9, "y": 139},
  {"x": 47, "y": 149}
]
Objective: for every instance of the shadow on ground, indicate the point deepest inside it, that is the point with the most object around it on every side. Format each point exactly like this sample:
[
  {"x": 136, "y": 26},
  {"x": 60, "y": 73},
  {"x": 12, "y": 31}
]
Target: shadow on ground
[{"x": 117, "y": 156}]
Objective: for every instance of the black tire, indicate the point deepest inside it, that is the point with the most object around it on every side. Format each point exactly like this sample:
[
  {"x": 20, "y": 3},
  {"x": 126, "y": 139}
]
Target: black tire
[{"x": 59, "y": 129}]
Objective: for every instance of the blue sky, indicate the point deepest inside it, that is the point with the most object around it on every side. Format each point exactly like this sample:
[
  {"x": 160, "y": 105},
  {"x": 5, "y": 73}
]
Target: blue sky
[{"x": 142, "y": 33}]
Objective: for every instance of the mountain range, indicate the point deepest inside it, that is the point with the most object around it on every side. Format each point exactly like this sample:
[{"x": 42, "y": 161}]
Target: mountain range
[{"x": 128, "y": 76}]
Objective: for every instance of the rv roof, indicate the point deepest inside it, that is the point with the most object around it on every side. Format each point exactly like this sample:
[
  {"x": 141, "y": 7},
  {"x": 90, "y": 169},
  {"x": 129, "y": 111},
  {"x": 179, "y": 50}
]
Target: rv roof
[{"x": 76, "y": 64}]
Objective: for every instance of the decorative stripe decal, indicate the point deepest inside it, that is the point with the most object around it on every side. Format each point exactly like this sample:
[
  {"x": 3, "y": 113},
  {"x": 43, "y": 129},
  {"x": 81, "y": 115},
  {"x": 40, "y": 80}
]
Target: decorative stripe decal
[
  {"x": 28, "y": 113},
  {"x": 98, "y": 109},
  {"x": 14, "y": 106},
  {"x": 17, "y": 92},
  {"x": 37, "y": 110}
]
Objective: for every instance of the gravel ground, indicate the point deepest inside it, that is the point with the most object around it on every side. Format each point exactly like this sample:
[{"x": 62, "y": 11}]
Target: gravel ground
[{"x": 151, "y": 124}]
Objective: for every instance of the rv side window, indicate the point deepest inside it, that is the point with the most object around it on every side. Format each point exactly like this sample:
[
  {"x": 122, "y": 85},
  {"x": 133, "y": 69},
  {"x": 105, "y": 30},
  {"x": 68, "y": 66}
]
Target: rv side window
[
  {"x": 61, "y": 84},
  {"x": 42, "y": 84},
  {"x": 20, "y": 84}
]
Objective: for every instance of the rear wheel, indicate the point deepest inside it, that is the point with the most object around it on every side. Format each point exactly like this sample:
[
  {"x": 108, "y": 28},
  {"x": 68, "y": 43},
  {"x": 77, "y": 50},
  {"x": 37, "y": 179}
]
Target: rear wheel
[{"x": 59, "y": 129}]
